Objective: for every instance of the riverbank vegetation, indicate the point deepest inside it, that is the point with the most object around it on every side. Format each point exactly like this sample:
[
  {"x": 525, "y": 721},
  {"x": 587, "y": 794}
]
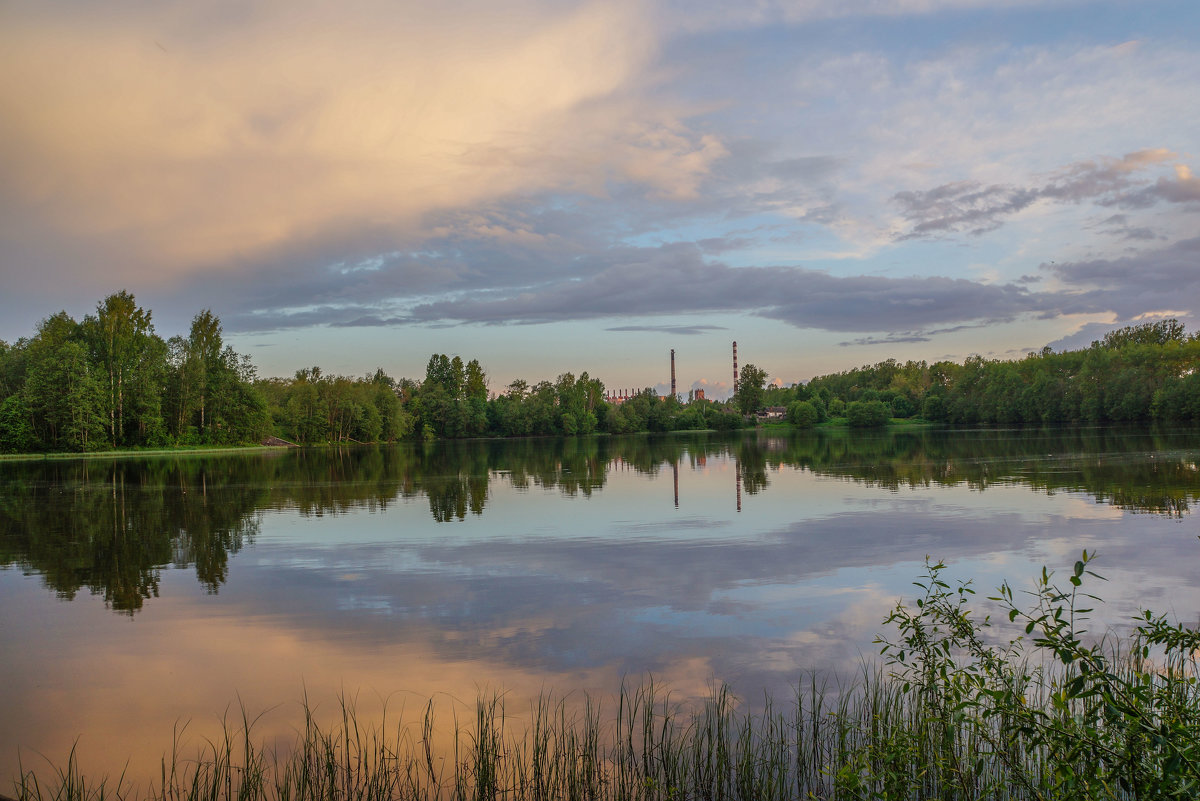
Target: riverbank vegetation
[
  {"x": 1142, "y": 373},
  {"x": 950, "y": 714},
  {"x": 111, "y": 382}
]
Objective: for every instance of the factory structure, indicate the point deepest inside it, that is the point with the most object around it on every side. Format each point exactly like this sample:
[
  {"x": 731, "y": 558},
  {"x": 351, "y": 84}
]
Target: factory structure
[
  {"x": 622, "y": 395},
  {"x": 619, "y": 396}
]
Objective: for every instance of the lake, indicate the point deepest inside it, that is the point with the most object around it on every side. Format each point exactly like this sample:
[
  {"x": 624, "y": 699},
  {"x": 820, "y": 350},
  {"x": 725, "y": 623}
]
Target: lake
[{"x": 138, "y": 595}]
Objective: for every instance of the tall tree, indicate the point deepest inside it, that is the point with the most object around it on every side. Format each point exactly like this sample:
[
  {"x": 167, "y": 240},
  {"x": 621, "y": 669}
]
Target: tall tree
[
  {"x": 61, "y": 393},
  {"x": 204, "y": 355},
  {"x": 476, "y": 381},
  {"x": 749, "y": 389},
  {"x": 132, "y": 364},
  {"x": 180, "y": 395},
  {"x": 1159, "y": 333},
  {"x": 12, "y": 358},
  {"x": 121, "y": 338},
  {"x": 16, "y": 428}
]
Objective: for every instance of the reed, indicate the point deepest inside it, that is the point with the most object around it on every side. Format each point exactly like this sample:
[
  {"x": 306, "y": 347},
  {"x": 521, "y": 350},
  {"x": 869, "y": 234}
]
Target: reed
[{"x": 945, "y": 716}]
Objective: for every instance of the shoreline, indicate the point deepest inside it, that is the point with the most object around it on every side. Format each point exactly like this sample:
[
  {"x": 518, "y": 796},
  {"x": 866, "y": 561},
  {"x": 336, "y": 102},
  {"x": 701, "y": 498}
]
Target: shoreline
[
  {"x": 835, "y": 425},
  {"x": 125, "y": 454}
]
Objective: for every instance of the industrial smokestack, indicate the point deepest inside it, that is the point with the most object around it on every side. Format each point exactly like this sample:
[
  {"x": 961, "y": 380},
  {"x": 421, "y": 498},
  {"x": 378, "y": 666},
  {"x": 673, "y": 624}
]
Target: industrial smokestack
[
  {"x": 675, "y": 470},
  {"x": 735, "y": 366},
  {"x": 672, "y": 372}
]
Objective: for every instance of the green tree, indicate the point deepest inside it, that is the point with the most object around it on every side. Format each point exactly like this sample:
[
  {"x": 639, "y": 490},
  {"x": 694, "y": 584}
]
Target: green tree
[
  {"x": 65, "y": 394},
  {"x": 902, "y": 406},
  {"x": 475, "y": 381},
  {"x": 61, "y": 393},
  {"x": 12, "y": 367},
  {"x": 749, "y": 391},
  {"x": 1159, "y": 333},
  {"x": 394, "y": 421},
  {"x": 16, "y": 427},
  {"x": 130, "y": 357},
  {"x": 240, "y": 410},
  {"x": 181, "y": 395},
  {"x": 867, "y": 414},
  {"x": 204, "y": 347},
  {"x": 305, "y": 410},
  {"x": 577, "y": 398},
  {"x": 934, "y": 408},
  {"x": 802, "y": 414}
]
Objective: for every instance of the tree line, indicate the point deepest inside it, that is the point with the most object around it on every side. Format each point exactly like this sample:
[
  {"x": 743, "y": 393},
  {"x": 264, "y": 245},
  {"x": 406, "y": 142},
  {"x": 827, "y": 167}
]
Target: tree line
[
  {"x": 110, "y": 381},
  {"x": 453, "y": 401},
  {"x": 1139, "y": 373}
]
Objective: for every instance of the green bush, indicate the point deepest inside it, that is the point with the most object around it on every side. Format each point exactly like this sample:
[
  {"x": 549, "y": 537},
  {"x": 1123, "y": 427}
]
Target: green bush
[
  {"x": 867, "y": 414},
  {"x": 803, "y": 414},
  {"x": 1067, "y": 718},
  {"x": 903, "y": 407},
  {"x": 934, "y": 408}
]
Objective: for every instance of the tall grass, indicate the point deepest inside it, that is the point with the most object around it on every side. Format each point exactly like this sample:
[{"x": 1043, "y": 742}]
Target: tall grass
[{"x": 947, "y": 717}]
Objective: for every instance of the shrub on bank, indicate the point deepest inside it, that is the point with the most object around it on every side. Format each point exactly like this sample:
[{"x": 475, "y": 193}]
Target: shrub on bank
[
  {"x": 803, "y": 414},
  {"x": 867, "y": 414}
]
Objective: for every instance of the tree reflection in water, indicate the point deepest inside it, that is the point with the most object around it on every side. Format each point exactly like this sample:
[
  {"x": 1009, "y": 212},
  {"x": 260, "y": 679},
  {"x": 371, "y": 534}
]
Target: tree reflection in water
[{"x": 113, "y": 526}]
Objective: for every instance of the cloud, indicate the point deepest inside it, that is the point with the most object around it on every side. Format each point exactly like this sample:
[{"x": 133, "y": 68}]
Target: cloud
[
  {"x": 1148, "y": 285},
  {"x": 986, "y": 118},
  {"x": 971, "y": 207},
  {"x": 699, "y": 16},
  {"x": 386, "y": 164},
  {"x": 716, "y": 389},
  {"x": 1134, "y": 285},
  {"x": 674, "y": 279},
  {"x": 174, "y": 139},
  {"x": 896, "y": 337},
  {"x": 890, "y": 339},
  {"x": 1120, "y": 225},
  {"x": 1184, "y": 187},
  {"x": 683, "y": 330},
  {"x": 964, "y": 205}
]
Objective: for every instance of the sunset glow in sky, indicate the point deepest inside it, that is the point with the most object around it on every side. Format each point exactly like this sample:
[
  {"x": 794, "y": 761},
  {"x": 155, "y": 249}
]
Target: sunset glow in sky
[{"x": 552, "y": 186}]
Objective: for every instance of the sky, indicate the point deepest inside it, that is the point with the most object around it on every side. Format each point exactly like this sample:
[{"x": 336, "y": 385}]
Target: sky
[{"x": 568, "y": 186}]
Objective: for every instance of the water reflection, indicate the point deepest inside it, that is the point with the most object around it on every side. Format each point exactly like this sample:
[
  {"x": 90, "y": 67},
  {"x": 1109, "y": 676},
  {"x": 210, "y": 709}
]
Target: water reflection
[
  {"x": 561, "y": 564},
  {"x": 112, "y": 527}
]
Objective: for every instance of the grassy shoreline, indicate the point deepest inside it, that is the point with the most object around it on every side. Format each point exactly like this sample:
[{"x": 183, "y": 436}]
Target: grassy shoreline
[
  {"x": 194, "y": 450},
  {"x": 871, "y": 740},
  {"x": 190, "y": 450}
]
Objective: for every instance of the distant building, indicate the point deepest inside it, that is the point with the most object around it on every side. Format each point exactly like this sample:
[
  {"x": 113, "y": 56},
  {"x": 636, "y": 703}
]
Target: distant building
[{"x": 699, "y": 394}]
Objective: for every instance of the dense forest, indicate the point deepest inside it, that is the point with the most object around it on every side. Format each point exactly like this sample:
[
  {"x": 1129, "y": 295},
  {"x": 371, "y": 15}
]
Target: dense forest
[
  {"x": 1136, "y": 374},
  {"x": 110, "y": 381}
]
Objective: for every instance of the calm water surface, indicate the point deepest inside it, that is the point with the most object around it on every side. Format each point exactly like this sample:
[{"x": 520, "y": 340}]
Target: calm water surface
[{"x": 140, "y": 594}]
